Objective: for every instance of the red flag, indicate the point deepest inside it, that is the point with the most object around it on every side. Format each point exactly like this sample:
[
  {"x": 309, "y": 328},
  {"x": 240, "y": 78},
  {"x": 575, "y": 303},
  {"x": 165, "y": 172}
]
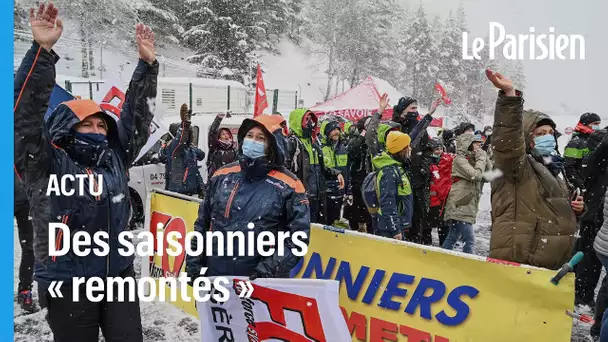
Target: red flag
[
  {"x": 260, "y": 95},
  {"x": 444, "y": 94}
]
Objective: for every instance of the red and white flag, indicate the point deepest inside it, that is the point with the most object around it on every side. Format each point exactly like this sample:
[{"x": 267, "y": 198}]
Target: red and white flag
[
  {"x": 261, "y": 102},
  {"x": 296, "y": 310},
  {"x": 444, "y": 94}
]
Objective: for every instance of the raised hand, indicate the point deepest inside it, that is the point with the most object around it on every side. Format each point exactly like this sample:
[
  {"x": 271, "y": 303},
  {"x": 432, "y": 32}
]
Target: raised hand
[
  {"x": 500, "y": 82},
  {"x": 434, "y": 106},
  {"x": 145, "y": 43},
  {"x": 383, "y": 103},
  {"x": 46, "y": 26}
]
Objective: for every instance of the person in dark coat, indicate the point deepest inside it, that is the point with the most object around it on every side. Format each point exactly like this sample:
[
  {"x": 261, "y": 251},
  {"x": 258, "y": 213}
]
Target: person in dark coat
[
  {"x": 309, "y": 164},
  {"x": 335, "y": 156},
  {"x": 449, "y": 141},
  {"x": 394, "y": 217},
  {"x": 80, "y": 139},
  {"x": 577, "y": 148},
  {"x": 419, "y": 165},
  {"x": 254, "y": 194},
  {"x": 589, "y": 270},
  {"x": 359, "y": 166},
  {"x": 181, "y": 158},
  {"x": 222, "y": 148},
  {"x": 26, "y": 239}
]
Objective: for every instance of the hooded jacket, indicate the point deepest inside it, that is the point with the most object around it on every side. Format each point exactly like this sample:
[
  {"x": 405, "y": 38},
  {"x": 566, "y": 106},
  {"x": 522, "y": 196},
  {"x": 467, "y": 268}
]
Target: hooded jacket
[
  {"x": 595, "y": 176},
  {"x": 394, "y": 194},
  {"x": 358, "y": 157},
  {"x": 335, "y": 156},
  {"x": 441, "y": 185},
  {"x": 181, "y": 157},
  {"x": 467, "y": 174},
  {"x": 220, "y": 154},
  {"x": 532, "y": 221},
  {"x": 42, "y": 152},
  {"x": 252, "y": 195},
  {"x": 574, "y": 153},
  {"x": 307, "y": 161}
]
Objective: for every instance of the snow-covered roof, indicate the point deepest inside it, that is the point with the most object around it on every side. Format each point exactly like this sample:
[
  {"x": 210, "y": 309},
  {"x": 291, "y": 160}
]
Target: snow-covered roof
[{"x": 205, "y": 82}]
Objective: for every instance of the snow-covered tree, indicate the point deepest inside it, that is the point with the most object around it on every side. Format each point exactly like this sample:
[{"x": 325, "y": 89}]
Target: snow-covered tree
[
  {"x": 451, "y": 67},
  {"x": 220, "y": 33},
  {"x": 21, "y": 17},
  {"x": 419, "y": 55},
  {"x": 165, "y": 17},
  {"x": 100, "y": 22}
]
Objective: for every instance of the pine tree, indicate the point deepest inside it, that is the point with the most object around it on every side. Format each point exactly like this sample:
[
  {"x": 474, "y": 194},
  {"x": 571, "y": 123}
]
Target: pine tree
[
  {"x": 420, "y": 52},
  {"x": 165, "y": 17},
  {"x": 219, "y": 32},
  {"x": 20, "y": 15},
  {"x": 451, "y": 67}
]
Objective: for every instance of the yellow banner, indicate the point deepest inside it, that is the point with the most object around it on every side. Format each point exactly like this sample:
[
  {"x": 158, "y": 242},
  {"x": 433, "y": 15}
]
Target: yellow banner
[
  {"x": 168, "y": 214},
  {"x": 394, "y": 291}
]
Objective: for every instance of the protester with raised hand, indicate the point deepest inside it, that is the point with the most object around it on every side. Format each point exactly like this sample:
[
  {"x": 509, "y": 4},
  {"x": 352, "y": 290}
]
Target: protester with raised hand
[
  {"x": 182, "y": 157},
  {"x": 80, "y": 139},
  {"x": 222, "y": 147},
  {"x": 418, "y": 165},
  {"x": 533, "y": 210},
  {"x": 256, "y": 194}
]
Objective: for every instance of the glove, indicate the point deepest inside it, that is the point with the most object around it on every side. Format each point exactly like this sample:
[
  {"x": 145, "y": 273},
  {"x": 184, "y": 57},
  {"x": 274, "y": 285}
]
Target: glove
[
  {"x": 349, "y": 200},
  {"x": 255, "y": 275}
]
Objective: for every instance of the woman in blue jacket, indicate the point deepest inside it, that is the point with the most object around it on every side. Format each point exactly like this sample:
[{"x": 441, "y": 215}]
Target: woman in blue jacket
[
  {"x": 254, "y": 194},
  {"x": 80, "y": 139}
]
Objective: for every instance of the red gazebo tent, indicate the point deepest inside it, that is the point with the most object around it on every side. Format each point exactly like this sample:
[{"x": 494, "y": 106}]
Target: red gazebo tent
[{"x": 362, "y": 100}]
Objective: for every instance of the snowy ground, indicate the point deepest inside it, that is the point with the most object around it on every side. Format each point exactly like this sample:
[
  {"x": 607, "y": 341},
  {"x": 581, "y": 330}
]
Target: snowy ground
[{"x": 163, "y": 322}]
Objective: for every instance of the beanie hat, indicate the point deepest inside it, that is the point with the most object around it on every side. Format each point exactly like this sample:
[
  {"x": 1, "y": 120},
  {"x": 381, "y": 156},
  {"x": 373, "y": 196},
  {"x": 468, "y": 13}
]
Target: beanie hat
[
  {"x": 403, "y": 103},
  {"x": 397, "y": 141},
  {"x": 588, "y": 118},
  {"x": 330, "y": 127}
]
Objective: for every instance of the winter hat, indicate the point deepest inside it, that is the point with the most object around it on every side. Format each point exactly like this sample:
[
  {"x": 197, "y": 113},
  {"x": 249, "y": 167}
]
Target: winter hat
[
  {"x": 403, "y": 103},
  {"x": 397, "y": 141},
  {"x": 477, "y": 138},
  {"x": 588, "y": 118},
  {"x": 435, "y": 143},
  {"x": 330, "y": 127}
]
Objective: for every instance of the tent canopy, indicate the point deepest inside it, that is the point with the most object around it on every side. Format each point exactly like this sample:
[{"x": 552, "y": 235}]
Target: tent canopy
[{"x": 362, "y": 100}]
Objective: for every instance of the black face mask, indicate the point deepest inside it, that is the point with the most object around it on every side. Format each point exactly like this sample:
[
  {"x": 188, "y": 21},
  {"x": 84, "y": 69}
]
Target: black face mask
[{"x": 308, "y": 129}]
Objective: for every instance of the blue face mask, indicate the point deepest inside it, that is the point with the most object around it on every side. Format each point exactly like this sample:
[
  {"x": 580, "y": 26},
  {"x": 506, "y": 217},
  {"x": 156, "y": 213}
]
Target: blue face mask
[
  {"x": 596, "y": 127},
  {"x": 94, "y": 139},
  {"x": 253, "y": 149},
  {"x": 545, "y": 145}
]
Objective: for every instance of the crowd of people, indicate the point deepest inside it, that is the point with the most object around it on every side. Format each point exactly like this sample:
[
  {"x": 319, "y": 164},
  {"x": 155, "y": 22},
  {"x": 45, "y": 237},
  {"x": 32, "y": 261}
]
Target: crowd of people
[{"x": 388, "y": 178}]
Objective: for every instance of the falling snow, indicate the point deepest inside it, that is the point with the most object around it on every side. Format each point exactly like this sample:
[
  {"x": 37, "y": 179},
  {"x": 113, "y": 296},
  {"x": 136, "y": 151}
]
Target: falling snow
[{"x": 118, "y": 198}]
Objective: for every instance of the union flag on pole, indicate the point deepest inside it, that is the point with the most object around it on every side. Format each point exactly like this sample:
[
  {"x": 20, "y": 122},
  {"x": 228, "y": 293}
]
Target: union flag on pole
[
  {"x": 261, "y": 102},
  {"x": 444, "y": 94}
]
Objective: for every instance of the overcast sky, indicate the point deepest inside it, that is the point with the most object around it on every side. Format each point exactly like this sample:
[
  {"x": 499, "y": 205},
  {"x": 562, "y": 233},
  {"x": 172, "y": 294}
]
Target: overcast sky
[{"x": 577, "y": 84}]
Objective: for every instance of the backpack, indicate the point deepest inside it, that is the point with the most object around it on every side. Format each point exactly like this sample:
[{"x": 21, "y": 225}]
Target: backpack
[{"x": 370, "y": 192}]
